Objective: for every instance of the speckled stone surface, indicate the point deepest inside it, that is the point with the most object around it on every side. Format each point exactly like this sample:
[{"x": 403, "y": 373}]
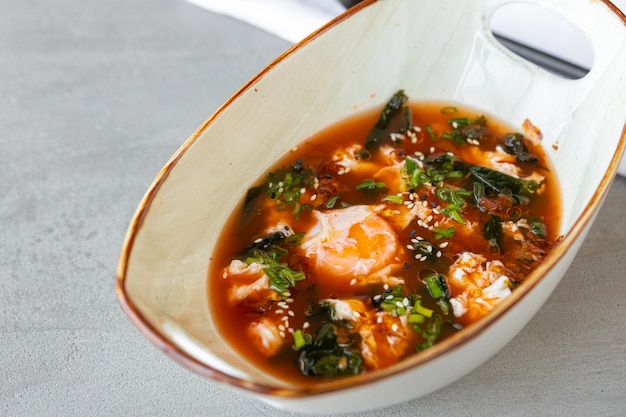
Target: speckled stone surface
[{"x": 94, "y": 98}]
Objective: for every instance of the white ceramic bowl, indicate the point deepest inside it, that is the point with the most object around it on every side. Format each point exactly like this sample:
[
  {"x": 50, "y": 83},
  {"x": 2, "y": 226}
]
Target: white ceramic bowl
[{"x": 433, "y": 49}]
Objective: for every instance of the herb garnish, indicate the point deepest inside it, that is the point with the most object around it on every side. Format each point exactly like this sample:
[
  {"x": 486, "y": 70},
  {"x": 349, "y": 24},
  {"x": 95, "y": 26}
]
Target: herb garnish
[
  {"x": 286, "y": 186},
  {"x": 266, "y": 251}
]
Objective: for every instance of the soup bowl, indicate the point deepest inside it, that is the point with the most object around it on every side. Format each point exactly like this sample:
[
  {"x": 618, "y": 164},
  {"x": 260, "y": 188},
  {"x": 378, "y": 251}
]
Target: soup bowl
[{"x": 441, "y": 50}]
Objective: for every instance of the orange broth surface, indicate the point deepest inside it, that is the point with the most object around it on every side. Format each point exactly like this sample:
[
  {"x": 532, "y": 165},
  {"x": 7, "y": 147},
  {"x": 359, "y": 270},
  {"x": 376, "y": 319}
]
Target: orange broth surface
[{"x": 387, "y": 256}]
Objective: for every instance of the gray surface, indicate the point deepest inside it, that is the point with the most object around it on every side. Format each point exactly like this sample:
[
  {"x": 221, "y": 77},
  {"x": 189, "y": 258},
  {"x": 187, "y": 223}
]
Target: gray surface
[{"x": 94, "y": 98}]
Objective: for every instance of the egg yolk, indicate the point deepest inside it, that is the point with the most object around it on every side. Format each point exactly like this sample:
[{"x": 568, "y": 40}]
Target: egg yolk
[{"x": 348, "y": 245}]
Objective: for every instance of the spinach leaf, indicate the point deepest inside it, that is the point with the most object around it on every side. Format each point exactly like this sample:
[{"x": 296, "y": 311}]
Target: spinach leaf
[
  {"x": 378, "y": 133},
  {"x": 327, "y": 357},
  {"x": 514, "y": 145}
]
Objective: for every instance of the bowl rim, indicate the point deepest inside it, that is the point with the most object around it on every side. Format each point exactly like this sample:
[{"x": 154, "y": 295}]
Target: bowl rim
[{"x": 299, "y": 391}]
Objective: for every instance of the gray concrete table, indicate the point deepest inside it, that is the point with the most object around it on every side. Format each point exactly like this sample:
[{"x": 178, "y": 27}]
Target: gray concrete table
[{"x": 94, "y": 97}]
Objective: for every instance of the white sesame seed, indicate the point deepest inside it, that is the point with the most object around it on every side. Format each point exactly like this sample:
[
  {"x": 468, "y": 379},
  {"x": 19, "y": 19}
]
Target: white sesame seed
[
  {"x": 432, "y": 149},
  {"x": 302, "y": 190},
  {"x": 281, "y": 327},
  {"x": 377, "y": 297},
  {"x": 409, "y": 247},
  {"x": 305, "y": 325},
  {"x": 438, "y": 254},
  {"x": 225, "y": 274},
  {"x": 289, "y": 300},
  {"x": 379, "y": 320},
  {"x": 444, "y": 245},
  {"x": 259, "y": 240},
  {"x": 280, "y": 311},
  {"x": 405, "y": 301},
  {"x": 394, "y": 327},
  {"x": 386, "y": 287},
  {"x": 290, "y": 330},
  {"x": 284, "y": 318},
  {"x": 282, "y": 334},
  {"x": 417, "y": 128},
  {"x": 389, "y": 297},
  {"x": 291, "y": 313},
  {"x": 314, "y": 197}
]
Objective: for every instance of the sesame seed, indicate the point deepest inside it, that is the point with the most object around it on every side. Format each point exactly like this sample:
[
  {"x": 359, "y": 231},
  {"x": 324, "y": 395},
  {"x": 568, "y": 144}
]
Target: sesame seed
[
  {"x": 394, "y": 327},
  {"x": 314, "y": 197},
  {"x": 432, "y": 149},
  {"x": 389, "y": 297},
  {"x": 302, "y": 190},
  {"x": 305, "y": 325},
  {"x": 284, "y": 318},
  {"x": 225, "y": 274},
  {"x": 280, "y": 311},
  {"x": 405, "y": 302},
  {"x": 353, "y": 281},
  {"x": 409, "y": 247},
  {"x": 417, "y": 128},
  {"x": 281, "y": 327},
  {"x": 281, "y": 333},
  {"x": 289, "y": 300},
  {"x": 291, "y": 313},
  {"x": 377, "y": 297},
  {"x": 444, "y": 245},
  {"x": 438, "y": 254},
  {"x": 259, "y": 240},
  {"x": 290, "y": 330}
]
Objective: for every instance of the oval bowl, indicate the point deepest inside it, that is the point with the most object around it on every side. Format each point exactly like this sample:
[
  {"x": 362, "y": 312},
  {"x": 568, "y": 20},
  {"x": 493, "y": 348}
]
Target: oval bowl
[{"x": 442, "y": 50}]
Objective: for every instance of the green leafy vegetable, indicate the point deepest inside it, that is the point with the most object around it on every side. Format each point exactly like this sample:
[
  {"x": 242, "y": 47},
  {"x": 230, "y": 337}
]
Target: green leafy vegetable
[
  {"x": 501, "y": 183},
  {"x": 492, "y": 231},
  {"x": 378, "y": 133},
  {"x": 329, "y": 357},
  {"x": 514, "y": 145}
]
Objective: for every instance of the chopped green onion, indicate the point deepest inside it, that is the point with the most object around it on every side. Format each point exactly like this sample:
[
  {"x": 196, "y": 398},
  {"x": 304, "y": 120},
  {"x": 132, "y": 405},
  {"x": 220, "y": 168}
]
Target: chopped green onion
[
  {"x": 448, "y": 110},
  {"x": 416, "y": 318},
  {"x": 420, "y": 309},
  {"x": 300, "y": 339},
  {"x": 331, "y": 203},
  {"x": 432, "y": 285},
  {"x": 371, "y": 185},
  {"x": 431, "y": 133},
  {"x": 394, "y": 199},
  {"x": 441, "y": 233}
]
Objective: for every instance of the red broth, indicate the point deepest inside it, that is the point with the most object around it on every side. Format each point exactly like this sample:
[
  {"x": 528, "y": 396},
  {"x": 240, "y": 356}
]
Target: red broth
[{"x": 393, "y": 238}]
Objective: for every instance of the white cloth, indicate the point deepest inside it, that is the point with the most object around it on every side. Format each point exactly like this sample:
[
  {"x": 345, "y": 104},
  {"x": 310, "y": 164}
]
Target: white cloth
[{"x": 293, "y": 20}]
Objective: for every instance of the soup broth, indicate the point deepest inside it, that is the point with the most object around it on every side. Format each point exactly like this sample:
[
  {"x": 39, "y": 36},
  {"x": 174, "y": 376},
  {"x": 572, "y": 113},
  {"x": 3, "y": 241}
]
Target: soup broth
[{"x": 379, "y": 237}]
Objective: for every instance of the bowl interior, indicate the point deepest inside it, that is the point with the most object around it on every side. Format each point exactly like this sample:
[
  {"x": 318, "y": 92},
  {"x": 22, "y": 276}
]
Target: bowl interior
[{"x": 442, "y": 50}]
